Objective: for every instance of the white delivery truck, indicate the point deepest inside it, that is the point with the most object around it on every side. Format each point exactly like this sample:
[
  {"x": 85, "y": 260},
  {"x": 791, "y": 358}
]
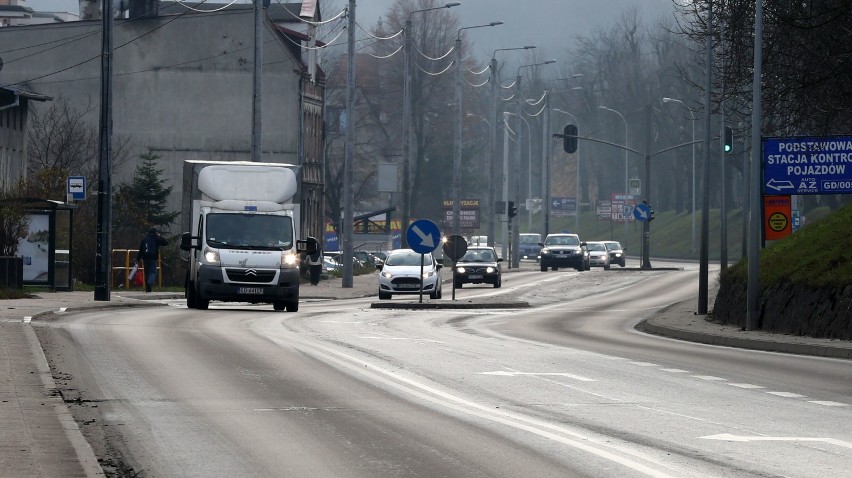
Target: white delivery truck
[{"x": 242, "y": 224}]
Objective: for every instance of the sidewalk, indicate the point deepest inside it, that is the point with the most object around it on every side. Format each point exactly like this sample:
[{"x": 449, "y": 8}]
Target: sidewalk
[{"x": 39, "y": 438}]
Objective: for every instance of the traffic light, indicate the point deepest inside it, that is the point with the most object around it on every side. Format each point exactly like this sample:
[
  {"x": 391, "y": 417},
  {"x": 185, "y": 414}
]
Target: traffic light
[
  {"x": 729, "y": 140},
  {"x": 513, "y": 211},
  {"x": 569, "y": 138},
  {"x": 651, "y": 215}
]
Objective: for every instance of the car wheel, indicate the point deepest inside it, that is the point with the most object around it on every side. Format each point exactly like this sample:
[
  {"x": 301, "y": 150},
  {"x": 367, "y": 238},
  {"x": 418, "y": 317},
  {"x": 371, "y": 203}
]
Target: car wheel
[
  {"x": 498, "y": 283},
  {"x": 606, "y": 267},
  {"x": 543, "y": 267},
  {"x": 384, "y": 295},
  {"x": 458, "y": 285},
  {"x": 579, "y": 268}
]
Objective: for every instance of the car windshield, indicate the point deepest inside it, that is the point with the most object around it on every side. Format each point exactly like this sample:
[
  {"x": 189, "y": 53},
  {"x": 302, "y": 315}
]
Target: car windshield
[
  {"x": 562, "y": 241},
  {"x": 595, "y": 246},
  {"x": 249, "y": 230},
  {"x": 478, "y": 255},
  {"x": 530, "y": 238},
  {"x": 612, "y": 246},
  {"x": 407, "y": 259}
]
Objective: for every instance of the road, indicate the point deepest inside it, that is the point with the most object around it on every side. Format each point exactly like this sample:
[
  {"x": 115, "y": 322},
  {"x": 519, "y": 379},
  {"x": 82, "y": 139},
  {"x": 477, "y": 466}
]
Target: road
[{"x": 566, "y": 388}]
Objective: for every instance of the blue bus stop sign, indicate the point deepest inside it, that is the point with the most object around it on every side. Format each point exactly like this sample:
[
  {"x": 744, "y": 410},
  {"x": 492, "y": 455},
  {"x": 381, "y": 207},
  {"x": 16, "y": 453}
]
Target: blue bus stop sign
[{"x": 423, "y": 236}]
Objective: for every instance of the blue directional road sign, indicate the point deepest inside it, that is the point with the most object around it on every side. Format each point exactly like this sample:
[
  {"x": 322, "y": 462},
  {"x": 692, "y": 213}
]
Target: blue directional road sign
[
  {"x": 423, "y": 236},
  {"x": 642, "y": 212},
  {"x": 807, "y": 165}
]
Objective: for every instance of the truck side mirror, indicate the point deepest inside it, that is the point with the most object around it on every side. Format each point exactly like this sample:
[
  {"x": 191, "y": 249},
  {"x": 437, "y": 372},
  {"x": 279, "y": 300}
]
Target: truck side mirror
[{"x": 186, "y": 241}]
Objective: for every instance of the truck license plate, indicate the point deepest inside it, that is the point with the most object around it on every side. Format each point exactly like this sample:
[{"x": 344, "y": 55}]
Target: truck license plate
[{"x": 250, "y": 290}]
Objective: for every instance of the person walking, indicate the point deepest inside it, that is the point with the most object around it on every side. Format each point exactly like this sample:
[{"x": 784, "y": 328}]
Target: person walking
[
  {"x": 149, "y": 252},
  {"x": 315, "y": 265}
]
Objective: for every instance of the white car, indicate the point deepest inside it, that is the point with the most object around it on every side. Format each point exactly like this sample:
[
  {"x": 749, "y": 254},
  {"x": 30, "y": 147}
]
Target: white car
[
  {"x": 598, "y": 254},
  {"x": 400, "y": 274}
]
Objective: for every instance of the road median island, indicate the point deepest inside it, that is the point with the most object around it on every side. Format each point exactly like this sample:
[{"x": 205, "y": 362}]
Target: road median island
[{"x": 450, "y": 304}]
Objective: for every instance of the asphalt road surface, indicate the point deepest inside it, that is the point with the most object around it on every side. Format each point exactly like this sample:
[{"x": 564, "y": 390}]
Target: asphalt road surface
[{"x": 566, "y": 388}]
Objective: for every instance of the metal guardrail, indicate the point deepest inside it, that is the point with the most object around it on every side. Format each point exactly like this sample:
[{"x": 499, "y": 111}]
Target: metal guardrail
[{"x": 128, "y": 265}]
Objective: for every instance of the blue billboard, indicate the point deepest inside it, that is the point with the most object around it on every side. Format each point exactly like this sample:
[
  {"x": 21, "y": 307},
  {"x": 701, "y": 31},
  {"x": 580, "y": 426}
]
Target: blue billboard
[{"x": 807, "y": 165}]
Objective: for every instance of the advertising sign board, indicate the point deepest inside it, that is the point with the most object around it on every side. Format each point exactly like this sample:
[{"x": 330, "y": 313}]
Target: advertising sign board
[
  {"x": 777, "y": 214},
  {"x": 468, "y": 213},
  {"x": 604, "y": 210},
  {"x": 622, "y": 207},
  {"x": 807, "y": 165},
  {"x": 562, "y": 207}
]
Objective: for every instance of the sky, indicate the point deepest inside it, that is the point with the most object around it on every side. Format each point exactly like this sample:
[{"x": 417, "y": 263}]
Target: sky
[{"x": 551, "y": 25}]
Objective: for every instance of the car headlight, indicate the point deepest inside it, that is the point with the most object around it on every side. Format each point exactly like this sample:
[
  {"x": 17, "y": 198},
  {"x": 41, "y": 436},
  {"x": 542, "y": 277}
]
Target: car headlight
[
  {"x": 490, "y": 270},
  {"x": 386, "y": 275},
  {"x": 428, "y": 274},
  {"x": 617, "y": 254},
  {"x": 545, "y": 251},
  {"x": 289, "y": 259},
  {"x": 461, "y": 270},
  {"x": 211, "y": 256}
]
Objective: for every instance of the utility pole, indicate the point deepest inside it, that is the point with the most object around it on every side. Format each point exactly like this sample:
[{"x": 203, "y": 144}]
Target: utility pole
[
  {"x": 492, "y": 144},
  {"x": 406, "y": 133},
  {"x": 516, "y": 176},
  {"x": 349, "y": 204},
  {"x": 703, "y": 268},
  {"x": 646, "y": 225},
  {"x": 754, "y": 186},
  {"x": 256, "y": 147},
  {"x": 103, "y": 256}
]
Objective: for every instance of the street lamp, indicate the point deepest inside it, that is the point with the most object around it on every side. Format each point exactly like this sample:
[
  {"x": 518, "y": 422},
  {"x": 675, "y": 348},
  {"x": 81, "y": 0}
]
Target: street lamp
[
  {"x": 516, "y": 256},
  {"x": 692, "y": 113},
  {"x": 458, "y": 148},
  {"x": 529, "y": 163},
  {"x": 626, "y": 172},
  {"x": 407, "y": 120},
  {"x": 492, "y": 173},
  {"x": 577, "y": 210}
]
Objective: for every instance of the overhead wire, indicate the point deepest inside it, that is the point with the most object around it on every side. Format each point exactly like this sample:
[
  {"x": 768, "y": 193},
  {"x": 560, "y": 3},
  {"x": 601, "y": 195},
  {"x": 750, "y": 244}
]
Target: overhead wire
[
  {"x": 199, "y": 10},
  {"x": 533, "y": 103},
  {"x": 536, "y": 114},
  {"x": 378, "y": 37},
  {"x": 386, "y": 56},
  {"x": 506, "y": 99},
  {"x": 434, "y": 59},
  {"x": 477, "y": 72},
  {"x": 510, "y": 85},
  {"x": 438, "y": 73},
  {"x": 477, "y": 86}
]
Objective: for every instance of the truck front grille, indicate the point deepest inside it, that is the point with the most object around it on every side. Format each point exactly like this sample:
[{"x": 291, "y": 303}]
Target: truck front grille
[{"x": 250, "y": 275}]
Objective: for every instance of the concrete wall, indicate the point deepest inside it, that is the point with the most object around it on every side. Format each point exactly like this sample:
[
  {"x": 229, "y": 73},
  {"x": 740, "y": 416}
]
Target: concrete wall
[{"x": 182, "y": 85}]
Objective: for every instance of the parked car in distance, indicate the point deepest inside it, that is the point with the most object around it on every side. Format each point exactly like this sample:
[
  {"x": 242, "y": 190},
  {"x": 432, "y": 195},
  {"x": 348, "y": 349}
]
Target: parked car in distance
[
  {"x": 529, "y": 247},
  {"x": 616, "y": 253},
  {"x": 479, "y": 265},
  {"x": 564, "y": 250},
  {"x": 598, "y": 255},
  {"x": 337, "y": 256},
  {"x": 400, "y": 274}
]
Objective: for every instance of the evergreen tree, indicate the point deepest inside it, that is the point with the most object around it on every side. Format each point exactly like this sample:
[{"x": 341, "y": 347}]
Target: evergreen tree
[{"x": 141, "y": 204}]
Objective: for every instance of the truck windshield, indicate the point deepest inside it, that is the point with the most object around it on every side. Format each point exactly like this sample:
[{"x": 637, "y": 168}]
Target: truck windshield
[{"x": 249, "y": 231}]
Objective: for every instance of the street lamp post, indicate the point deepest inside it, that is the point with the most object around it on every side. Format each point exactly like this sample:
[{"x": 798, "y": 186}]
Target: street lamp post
[
  {"x": 626, "y": 173},
  {"x": 692, "y": 113},
  {"x": 458, "y": 147},
  {"x": 492, "y": 172},
  {"x": 516, "y": 256},
  {"x": 407, "y": 120}
]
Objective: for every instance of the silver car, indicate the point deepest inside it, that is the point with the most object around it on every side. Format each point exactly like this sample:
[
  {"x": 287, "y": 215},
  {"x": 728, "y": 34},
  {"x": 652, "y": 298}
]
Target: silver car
[
  {"x": 400, "y": 274},
  {"x": 598, "y": 254}
]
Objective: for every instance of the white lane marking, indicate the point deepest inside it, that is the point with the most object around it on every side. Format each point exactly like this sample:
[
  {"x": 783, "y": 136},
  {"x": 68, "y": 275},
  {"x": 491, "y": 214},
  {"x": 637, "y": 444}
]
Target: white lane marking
[
  {"x": 744, "y": 385},
  {"x": 63, "y": 309},
  {"x": 644, "y": 364},
  {"x": 537, "y": 374},
  {"x": 709, "y": 378},
  {"x": 674, "y": 370},
  {"x": 541, "y": 428},
  {"x": 739, "y": 438},
  {"x": 787, "y": 394},
  {"x": 27, "y": 319},
  {"x": 342, "y": 321},
  {"x": 828, "y": 403}
]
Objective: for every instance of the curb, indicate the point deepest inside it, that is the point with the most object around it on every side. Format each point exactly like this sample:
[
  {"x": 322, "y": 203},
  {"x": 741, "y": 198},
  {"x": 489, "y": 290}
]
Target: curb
[{"x": 649, "y": 326}]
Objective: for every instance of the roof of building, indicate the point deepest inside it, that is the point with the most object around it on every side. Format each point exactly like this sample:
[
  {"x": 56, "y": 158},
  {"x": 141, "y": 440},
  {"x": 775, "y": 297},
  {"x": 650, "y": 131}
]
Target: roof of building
[{"x": 31, "y": 95}]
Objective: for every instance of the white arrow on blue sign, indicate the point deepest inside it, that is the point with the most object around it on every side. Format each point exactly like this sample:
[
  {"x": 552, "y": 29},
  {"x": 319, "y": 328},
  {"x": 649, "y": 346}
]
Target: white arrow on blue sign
[
  {"x": 642, "y": 212},
  {"x": 423, "y": 236}
]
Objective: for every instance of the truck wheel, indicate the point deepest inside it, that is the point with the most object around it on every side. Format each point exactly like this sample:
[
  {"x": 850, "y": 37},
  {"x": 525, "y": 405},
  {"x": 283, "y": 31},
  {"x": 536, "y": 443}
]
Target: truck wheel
[
  {"x": 278, "y": 306},
  {"x": 202, "y": 304},
  {"x": 554, "y": 268},
  {"x": 292, "y": 306}
]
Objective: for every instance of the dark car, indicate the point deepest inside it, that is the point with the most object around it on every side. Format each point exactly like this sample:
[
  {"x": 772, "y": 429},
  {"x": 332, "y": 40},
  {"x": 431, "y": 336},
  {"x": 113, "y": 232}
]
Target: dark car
[
  {"x": 564, "y": 250},
  {"x": 479, "y": 265},
  {"x": 616, "y": 252},
  {"x": 529, "y": 247}
]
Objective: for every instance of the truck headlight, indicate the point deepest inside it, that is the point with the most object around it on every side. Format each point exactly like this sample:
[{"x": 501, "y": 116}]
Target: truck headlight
[
  {"x": 211, "y": 256},
  {"x": 288, "y": 260}
]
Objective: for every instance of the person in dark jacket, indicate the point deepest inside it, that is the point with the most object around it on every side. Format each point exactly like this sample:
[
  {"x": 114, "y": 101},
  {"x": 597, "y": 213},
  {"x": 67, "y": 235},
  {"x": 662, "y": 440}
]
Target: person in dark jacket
[
  {"x": 149, "y": 253},
  {"x": 315, "y": 264}
]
